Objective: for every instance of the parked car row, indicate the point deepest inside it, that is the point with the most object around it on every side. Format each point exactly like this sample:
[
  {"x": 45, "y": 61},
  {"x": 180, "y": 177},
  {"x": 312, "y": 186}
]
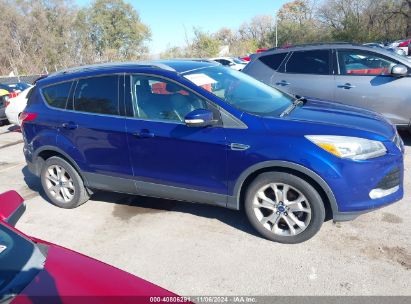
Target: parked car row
[
  {"x": 289, "y": 146},
  {"x": 9, "y": 92},
  {"x": 232, "y": 62},
  {"x": 199, "y": 132}
]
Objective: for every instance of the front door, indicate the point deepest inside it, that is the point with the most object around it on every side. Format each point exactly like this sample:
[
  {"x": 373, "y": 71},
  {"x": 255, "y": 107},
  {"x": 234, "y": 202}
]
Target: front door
[
  {"x": 364, "y": 80},
  {"x": 170, "y": 159}
]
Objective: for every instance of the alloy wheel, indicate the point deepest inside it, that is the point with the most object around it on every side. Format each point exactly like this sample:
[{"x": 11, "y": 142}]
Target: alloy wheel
[
  {"x": 60, "y": 184},
  {"x": 282, "y": 209}
]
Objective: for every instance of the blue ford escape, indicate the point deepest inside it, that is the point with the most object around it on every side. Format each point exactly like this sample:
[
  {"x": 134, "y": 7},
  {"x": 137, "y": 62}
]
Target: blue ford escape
[{"x": 199, "y": 132}]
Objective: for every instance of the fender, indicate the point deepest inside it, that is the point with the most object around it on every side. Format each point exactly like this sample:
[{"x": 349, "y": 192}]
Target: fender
[
  {"x": 234, "y": 201},
  {"x": 60, "y": 151}
]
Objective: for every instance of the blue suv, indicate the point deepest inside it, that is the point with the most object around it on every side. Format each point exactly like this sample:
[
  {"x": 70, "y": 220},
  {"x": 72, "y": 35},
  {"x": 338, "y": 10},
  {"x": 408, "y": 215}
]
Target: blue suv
[{"x": 199, "y": 132}]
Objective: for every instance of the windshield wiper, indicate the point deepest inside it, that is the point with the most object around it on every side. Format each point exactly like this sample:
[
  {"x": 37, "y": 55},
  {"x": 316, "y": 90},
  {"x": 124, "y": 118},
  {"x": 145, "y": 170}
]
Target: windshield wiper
[{"x": 297, "y": 102}]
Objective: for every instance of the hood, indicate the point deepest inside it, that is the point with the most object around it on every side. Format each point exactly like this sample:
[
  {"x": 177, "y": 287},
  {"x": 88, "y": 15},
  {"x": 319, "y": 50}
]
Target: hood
[
  {"x": 67, "y": 273},
  {"x": 340, "y": 115}
]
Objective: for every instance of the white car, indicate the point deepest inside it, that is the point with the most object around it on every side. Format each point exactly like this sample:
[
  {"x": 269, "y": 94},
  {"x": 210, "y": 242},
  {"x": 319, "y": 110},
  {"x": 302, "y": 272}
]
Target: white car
[
  {"x": 16, "y": 106},
  {"x": 232, "y": 62}
]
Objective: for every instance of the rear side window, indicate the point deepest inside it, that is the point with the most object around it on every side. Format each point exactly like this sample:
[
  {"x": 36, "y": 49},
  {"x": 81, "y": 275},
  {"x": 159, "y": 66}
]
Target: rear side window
[
  {"x": 56, "y": 95},
  {"x": 97, "y": 95},
  {"x": 309, "y": 62},
  {"x": 273, "y": 61}
]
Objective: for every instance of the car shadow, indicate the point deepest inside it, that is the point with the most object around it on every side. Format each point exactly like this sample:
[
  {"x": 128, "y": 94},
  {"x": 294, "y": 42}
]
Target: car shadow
[
  {"x": 14, "y": 128},
  {"x": 128, "y": 206},
  {"x": 33, "y": 182}
]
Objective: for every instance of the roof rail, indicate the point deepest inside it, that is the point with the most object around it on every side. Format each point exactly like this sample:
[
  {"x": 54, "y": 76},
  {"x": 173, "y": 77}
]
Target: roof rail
[
  {"x": 100, "y": 66},
  {"x": 313, "y": 44}
]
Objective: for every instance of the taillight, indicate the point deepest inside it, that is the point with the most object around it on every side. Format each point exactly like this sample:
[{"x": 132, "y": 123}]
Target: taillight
[
  {"x": 13, "y": 94},
  {"x": 25, "y": 116}
]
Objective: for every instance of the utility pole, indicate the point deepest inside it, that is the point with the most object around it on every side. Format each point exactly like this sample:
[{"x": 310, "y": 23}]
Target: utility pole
[{"x": 276, "y": 30}]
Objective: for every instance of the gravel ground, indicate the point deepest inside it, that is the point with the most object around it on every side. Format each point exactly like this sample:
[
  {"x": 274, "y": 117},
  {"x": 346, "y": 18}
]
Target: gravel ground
[{"x": 196, "y": 249}]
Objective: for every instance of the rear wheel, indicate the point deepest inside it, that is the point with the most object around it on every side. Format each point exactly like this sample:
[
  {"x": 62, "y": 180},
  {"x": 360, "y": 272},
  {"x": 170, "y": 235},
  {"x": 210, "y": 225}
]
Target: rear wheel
[
  {"x": 62, "y": 183},
  {"x": 284, "y": 208}
]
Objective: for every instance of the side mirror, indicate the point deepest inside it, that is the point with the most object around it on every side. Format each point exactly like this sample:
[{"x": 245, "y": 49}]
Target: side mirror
[
  {"x": 399, "y": 70},
  {"x": 199, "y": 118},
  {"x": 12, "y": 207}
]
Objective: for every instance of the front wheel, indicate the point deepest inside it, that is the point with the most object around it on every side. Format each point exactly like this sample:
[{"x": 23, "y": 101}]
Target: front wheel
[
  {"x": 62, "y": 183},
  {"x": 284, "y": 208}
]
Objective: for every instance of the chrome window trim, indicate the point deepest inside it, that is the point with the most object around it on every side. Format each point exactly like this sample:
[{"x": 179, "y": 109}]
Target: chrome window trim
[
  {"x": 72, "y": 99},
  {"x": 241, "y": 124}
]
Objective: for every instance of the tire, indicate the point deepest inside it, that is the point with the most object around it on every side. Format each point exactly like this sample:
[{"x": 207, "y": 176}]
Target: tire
[
  {"x": 276, "y": 220},
  {"x": 64, "y": 189}
]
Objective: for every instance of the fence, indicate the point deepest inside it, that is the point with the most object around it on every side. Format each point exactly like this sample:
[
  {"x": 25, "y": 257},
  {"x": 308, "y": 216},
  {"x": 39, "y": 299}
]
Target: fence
[{"x": 14, "y": 79}]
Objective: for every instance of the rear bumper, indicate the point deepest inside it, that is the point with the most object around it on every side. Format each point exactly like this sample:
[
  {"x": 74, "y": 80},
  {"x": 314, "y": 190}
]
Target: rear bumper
[
  {"x": 31, "y": 165},
  {"x": 3, "y": 113},
  {"x": 12, "y": 117}
]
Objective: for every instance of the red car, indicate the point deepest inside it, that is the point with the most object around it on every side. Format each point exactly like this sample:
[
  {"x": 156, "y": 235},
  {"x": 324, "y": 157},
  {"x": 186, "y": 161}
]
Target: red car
[
  {"x": 35, "y": 271},
  {"x": 247, "y": 58}
]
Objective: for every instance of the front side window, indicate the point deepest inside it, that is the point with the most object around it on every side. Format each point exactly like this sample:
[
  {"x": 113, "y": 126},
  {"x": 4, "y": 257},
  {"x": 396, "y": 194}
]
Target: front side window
[
  {"x": 240, "y": 90},
  {"x": 159, "y": 99},
  {"x": 357, "y": 62},
  {"x": 56, "y": 95},
  {"x": 97, "y": 95},
  {"x": 309, "y": 62}
]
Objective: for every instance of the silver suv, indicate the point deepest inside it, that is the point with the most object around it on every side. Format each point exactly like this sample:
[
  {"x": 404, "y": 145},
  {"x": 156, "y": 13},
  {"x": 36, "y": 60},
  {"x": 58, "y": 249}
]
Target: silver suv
[{"x": 347, "y": 73}]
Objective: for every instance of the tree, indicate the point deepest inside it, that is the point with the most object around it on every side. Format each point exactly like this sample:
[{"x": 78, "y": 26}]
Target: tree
[
  {"x": 297, "y": 24},
  {"x": 203, "y": 44},
  {"x": 115, "y": 30},
  {"x": 257, "y": 30}
]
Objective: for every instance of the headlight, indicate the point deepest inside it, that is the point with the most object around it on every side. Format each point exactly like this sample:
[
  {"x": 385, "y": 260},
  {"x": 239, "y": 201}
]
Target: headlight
[{"x": 349, "y": 147}]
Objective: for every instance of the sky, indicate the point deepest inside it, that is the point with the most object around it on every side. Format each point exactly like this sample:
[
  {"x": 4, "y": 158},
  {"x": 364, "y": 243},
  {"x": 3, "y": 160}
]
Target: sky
[{"x": 170, "y": 20}]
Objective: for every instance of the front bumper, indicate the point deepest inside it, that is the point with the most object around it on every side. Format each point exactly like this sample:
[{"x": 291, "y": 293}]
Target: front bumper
[{"x": 368, "y": 185}]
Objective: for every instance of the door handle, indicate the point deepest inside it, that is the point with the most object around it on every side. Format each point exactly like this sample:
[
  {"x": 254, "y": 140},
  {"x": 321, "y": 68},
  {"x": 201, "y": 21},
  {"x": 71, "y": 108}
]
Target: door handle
[
  {"x": 283, "y": 83},
  {"x": 69, "y": 125},
  {"x": 346, "y": 86},
  {"x": 145, "y": 133}
]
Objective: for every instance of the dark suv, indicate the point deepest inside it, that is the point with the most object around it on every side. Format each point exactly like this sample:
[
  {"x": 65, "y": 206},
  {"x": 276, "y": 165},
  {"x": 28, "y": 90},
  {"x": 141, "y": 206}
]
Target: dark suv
[{"x": 197, "y": 131}]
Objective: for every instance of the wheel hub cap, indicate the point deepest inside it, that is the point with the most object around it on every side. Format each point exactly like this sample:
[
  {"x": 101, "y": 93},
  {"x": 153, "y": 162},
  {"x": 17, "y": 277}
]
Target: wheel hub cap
[{"x": 282, "y": 209}]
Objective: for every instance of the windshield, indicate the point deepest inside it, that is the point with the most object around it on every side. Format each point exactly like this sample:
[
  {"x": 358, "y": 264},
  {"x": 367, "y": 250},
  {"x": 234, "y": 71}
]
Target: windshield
[
  {"x": 240, "y": 90},
  {"x": 20, "y": 261}
]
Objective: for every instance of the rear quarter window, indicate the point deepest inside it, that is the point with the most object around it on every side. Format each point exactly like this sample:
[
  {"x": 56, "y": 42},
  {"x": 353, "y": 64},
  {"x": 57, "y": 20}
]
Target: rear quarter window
[
  {"x": 56, "y": 95},
  {"x": 273, "y": 61}
]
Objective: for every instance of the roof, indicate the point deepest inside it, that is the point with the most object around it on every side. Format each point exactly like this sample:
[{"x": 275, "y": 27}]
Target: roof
[
  {"x": 174, "y": 65},
  {"x": 332, "y": 45}
]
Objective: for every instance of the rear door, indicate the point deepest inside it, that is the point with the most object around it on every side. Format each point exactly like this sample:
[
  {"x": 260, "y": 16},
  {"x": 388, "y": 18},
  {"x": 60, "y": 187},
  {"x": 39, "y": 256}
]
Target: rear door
[
  {"x": 306, "y": 73},
  {"x": 93, "y": 130},
  {"x": 364, "y": 80}
]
